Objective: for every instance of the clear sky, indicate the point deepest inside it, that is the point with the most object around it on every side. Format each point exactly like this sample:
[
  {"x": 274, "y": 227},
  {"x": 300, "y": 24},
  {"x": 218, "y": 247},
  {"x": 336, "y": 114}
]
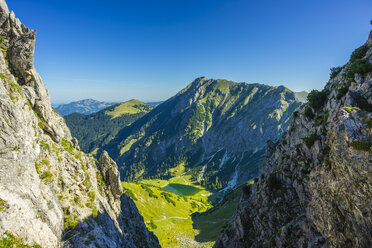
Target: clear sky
[{"x": 116, "y": 50}]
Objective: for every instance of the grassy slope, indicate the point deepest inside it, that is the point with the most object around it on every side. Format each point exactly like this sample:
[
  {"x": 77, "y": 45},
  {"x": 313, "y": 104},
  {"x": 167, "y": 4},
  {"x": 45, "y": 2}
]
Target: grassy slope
[
  {"x": 171, "y": 223},
  {"x": 211, "y": 222},
  {"x": 130, "y": 107}
]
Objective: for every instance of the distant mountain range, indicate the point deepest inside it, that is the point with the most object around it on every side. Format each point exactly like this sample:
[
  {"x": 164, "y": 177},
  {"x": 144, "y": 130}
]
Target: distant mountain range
[
  {"x": 86, "y": 106},
  {"x": 301, "y": 96},
  {"x": 97, "y": 129},
  {"x": 214, "y": 130}
]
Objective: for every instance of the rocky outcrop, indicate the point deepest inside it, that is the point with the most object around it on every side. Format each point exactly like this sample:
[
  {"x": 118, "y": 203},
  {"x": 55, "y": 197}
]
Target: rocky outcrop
[
  {"x": 110, "y": 173},
  {"x": 315, "y": 188},
  {"x": 52, "y": 194}
]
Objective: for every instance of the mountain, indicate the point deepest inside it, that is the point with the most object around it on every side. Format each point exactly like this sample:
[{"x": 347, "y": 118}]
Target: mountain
[
  {"x": 315, "y": 188},
  {"x": 51, "y": 193},
  {"x": 214, "y": 130},
  {"x": 97, "y": 129},
  {"x": 154, "y": 104},
  {"x": 86, "y": 106},
  {"x": 301, "y": 96}
]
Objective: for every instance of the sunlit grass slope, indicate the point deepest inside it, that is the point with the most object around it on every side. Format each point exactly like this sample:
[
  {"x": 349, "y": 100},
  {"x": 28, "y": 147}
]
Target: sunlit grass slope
[
  {"x": 211, "y": 222},
  {"x": 168, "y": 214},
  {"x": 130, "y": 107}
]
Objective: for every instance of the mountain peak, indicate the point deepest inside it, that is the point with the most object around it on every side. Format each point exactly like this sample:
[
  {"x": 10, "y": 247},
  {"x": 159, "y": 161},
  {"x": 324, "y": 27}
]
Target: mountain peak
[{"x": 4, "y": 6}]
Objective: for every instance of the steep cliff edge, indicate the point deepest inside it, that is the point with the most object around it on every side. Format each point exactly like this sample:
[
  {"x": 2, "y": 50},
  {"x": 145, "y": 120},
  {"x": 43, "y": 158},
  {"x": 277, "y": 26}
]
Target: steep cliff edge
[
  {"x": 316, "y": 186},
  {"x": 51, "y": 193}
]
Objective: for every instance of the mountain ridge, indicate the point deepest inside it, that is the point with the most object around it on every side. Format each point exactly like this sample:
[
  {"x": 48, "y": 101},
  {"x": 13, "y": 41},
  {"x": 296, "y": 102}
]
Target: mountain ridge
[
  {"x": 97, "y": 129},
  {"x": 184, "y": 124},
  {"x": 85, "y": 106},
  {"x": 315, "y": 186}
]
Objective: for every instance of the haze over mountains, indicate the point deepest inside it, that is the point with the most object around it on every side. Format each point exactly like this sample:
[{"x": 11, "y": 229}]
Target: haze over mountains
[{"x": 88, "y": 106}]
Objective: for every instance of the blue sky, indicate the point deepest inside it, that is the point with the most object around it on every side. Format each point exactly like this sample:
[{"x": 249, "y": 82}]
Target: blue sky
[{"x": 149, "y": 50}]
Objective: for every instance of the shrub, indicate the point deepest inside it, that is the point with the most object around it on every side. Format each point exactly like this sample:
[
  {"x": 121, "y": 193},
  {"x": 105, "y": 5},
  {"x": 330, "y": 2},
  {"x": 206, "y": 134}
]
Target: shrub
[
  {"x": 67, "y": 145},
  {"x": 152, "y": 225},
  {"x": 362, "y": 103},
  {"x": 246, "y": 189},
  {"x": 309, "y": 113},
  {"x": 295, "y": 114},
  {"x": 9, "y": 240},
  {"x": 341, "y": 92},
  {"x": 46, "y": 176},
  {"x": 359, "y": 53},
  {"x": 362, "y": 145},
  {"x": 129, "y": 193},
  {"x": 168, "y": 198},
  {"x": 309, "y": 141},
  {"x": 335, "y": 71},
  {"x": 273, "y": 183},
  {"x": 45, "y": 146},
  {"x": 95, "y": 212},
  {"x": 369, "y": 123},
  {"x": 70, "y": 222},
  {"x": 316, "y": 99},
  {"x": 2, "y": 205},
  {"x": 360, "y": 66}
]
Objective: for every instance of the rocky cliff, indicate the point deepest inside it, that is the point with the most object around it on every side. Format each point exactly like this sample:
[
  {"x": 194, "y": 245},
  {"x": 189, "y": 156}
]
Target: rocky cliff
[
  {"x": 52, "y": 194},
  {"x": 215, "y": 130},
  {"x": 315, "y": 189}
]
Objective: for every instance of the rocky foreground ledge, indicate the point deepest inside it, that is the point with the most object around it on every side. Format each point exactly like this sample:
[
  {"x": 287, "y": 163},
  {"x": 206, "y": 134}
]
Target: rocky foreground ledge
[{"x": 51, "y": 193}]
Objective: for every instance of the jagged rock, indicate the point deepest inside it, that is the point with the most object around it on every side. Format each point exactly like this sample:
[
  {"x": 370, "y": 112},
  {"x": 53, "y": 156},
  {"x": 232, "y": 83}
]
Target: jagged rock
[
  {"x": 110, "y": 173},
  {"x": 315, "y": 188},
  {"x": 49, "y": 189},
  {"x": 21, "y": 55}
]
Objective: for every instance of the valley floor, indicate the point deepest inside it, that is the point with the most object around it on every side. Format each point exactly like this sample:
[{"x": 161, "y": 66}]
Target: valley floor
[{"x": 167, "y": 207}]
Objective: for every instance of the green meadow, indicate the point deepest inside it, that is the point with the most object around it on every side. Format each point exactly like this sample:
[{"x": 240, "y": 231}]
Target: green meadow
[
  {"x": 168, "y": 214},
  {"x": 179, "y": 211}
]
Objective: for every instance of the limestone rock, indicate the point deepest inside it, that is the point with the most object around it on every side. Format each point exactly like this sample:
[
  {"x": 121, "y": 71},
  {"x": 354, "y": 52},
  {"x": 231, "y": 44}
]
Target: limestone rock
[
  {"x": 110, "y": 174},
  {"x": 51, "y": 193}
]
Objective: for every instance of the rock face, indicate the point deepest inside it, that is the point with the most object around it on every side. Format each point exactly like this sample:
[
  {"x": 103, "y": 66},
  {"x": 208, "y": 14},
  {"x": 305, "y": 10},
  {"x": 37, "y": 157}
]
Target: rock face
[
  {"x": 315, "y": 188},
  {"x": 52, "y": 194},
  {"x": 207, "y": 130},
  {"x": 110, "y": 174}
]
